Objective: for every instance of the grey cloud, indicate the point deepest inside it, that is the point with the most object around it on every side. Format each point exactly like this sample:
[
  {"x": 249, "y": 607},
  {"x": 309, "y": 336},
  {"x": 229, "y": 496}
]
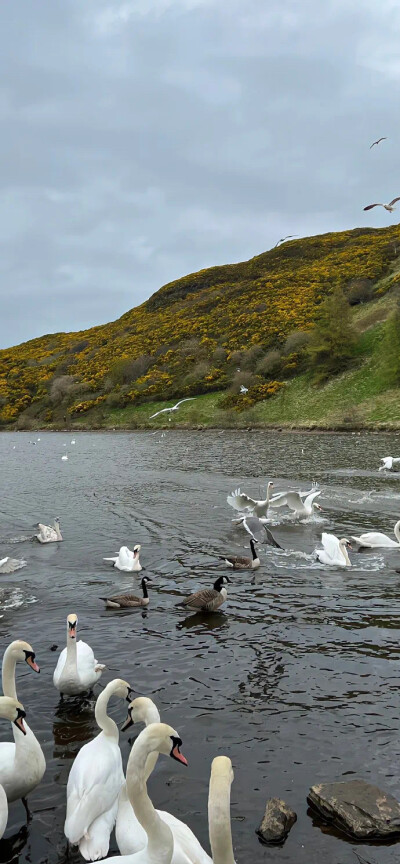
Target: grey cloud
[{"x": 144, "y": 139}]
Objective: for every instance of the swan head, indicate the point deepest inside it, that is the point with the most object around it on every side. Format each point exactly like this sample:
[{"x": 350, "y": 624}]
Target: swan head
[
  {"x": 72, "y": 622},
  {"x": 57, "y": 520},
  {"x": 222, "y": 580},
  {"x": 345, "y": 542},
  {"x": 23, "y": 652},
  {"x": 317, "y": 506},
  {"x": 120, "y": 688},
  {"x": 136, "y": 549},
  {"x": 140, "y": 710},
  {"x": 221, "y": 770},
  {"x": 270, "y": 485},
  {"x": 12, "y": 710},
  {"x": 161, "y": 738}
]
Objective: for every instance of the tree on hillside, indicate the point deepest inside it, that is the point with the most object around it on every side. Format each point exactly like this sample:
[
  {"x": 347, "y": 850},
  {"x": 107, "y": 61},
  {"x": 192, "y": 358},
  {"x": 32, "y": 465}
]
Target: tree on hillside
[
  {"x": 332, "y": 341},
  {"x": 391, "y": 347}
]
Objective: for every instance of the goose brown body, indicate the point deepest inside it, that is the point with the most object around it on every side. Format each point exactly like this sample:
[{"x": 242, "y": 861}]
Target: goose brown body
[
  {"x": 242, "y": 562},
  {"x": 209, "y": 599},
  {"x": 129, "y": 601}
]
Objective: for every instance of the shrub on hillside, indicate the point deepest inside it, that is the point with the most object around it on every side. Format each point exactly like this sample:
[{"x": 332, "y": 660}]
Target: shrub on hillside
[{"x": 258, "y": 393}]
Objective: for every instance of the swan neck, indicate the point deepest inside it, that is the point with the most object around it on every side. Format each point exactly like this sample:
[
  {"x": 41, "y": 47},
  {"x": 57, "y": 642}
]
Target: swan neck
[
  {"x": 397, "y": 531},
  {"x": 160, "y": 843},
  {"x": 57, "y": 530},
  {"x": 8, "y": 673},
  {"x": 71, "y": 650},
  {"x": 345, "y": 553},
  {"x": 219, "y": 820},
  {"x": 105, "y": 723}
]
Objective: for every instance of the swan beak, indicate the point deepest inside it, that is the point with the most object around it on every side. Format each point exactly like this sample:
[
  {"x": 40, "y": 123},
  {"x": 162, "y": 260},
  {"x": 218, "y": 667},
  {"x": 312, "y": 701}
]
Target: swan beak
[
  {"x": 32, "y": 663},
  {"x": 176, "y": 754},
  {"x": 127, "y": 724},
  {"x": 20, "y": 723},
  {"x": 72, "y": 631}
]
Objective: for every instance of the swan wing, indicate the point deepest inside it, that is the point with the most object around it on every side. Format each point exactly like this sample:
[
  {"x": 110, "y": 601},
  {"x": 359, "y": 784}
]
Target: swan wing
[
  {"x": 89, "y": 670},
  {"x": 93, "y": 786},
  {"x": 294, "y": 501},
  {"x": 240, "y": 501},
  {"x": 310, "y": 497},
  {"x": 129, "y": 834},
  {"x": 278, "y": 500},
  {"x": 47, "y": 533},
  {"x": 331, "y": 546},
  {"x": 111, "y": 559},
  {"x": 387, "y": 462},
  {"x": 187, "y": 849},
  {"x": 96, "y": 842},
  {"x": 60, "y": 666}
]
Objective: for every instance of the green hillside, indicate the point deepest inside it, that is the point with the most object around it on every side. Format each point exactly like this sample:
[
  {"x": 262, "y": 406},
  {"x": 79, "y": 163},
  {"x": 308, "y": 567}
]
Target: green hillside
[{"x": 214, "y": 332}]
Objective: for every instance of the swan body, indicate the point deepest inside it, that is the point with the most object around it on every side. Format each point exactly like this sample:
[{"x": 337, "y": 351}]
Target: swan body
[
  {"x": 95, "y": 781},
  {"x": 129, "y": 601},
  {"x": 376, "y": 540},
  {"x": 49, "y": 533},
  {"x": 294, "y": 501},
  {"x": 334, "y": 552},
  {"x": 10, "y": 709},
  {"x": 219, "y": 818},
  {"x": 240, "y": 501},
  {"x": 22, "y": 763},
  {"x": 130, "y": 835},
  {"x": 241, "y": 562},
  {"x": 207, "y": 600},
  {"x": 77, "y": 670},
  {"x": 159, "y": 849},
  {"x": 9, "y": 565},
  {"x": 388, "y": 462},
  {"x": 64, "y": 458},
  {"x": 126, "y": 560}
]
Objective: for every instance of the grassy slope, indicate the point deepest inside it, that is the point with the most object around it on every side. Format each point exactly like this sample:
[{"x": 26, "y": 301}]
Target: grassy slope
[{"x": 258, "y": 302}]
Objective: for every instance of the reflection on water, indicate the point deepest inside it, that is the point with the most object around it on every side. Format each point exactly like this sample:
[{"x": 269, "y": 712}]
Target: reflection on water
[{"x": 296, "y": 678}]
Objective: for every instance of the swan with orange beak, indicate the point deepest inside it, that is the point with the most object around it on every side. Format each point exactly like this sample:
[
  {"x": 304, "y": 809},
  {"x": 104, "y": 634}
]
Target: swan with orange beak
[{"x": 77, "y": 670}]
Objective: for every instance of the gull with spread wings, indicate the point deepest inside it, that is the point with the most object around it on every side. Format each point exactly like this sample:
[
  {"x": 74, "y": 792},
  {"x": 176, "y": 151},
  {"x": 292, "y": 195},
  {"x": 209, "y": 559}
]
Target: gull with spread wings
[
  {"x": 390, "y": 207},
  {"x": 174, "y": 407},
  {"x": 282, "y": 240},
  {"x": 384, "y": 138}
]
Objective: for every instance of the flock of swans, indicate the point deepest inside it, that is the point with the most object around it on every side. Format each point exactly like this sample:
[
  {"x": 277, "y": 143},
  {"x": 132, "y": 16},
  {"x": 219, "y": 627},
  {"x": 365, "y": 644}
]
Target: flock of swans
[{"x": 98, "y": 795}]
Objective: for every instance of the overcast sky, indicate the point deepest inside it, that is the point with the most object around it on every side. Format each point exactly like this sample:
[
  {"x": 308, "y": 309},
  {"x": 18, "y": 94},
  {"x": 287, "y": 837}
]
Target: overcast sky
[{"x": 144, "y": 139}]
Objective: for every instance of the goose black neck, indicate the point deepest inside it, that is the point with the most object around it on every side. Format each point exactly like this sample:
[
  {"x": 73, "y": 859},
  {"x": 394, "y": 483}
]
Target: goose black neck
[
  {"x": 253, "y": 549},
  {"x": 144, "y": 588},
  {"x": 219, "y": 583}
]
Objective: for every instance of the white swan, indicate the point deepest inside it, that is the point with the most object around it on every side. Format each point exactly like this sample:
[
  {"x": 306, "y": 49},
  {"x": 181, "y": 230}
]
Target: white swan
[
  {"x": 9, "y": 565},
  {"x": 49, "y": 533},
  {"x": 388, "y": 462},
  {"x": 240, "y": 501},
  {"x": 295, "y": 502},
  {"x": 376, "y": 540},
  {"x": 130, "y": 835},
  {"x": 159, "y": 849},
  {"x": 22, "y": 763},
  {"x": 64, "y": 458},
  {"x": 127, "y": 560},
  {"x": 10, "y": 709},
  {"x": 95, "y": 781},
  {"x": 77, "y": 670},
  {"x": 219, "y": 817},
  {"x": 334, "y": 552}
]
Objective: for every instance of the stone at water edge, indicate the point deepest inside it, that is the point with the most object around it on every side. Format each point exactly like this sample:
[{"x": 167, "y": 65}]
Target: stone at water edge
[
  {"x": 357, "y": 808},
  {"x": 277, "y": 821}
]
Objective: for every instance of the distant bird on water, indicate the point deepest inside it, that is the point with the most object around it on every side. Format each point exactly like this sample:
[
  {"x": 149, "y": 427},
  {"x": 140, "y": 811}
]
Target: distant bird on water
[
  {"x": 384, "y": 138},
  {"x": 174, "y": 407},
  {"x": 390, "y": 207},
  {"x": 282, "y": 240}
]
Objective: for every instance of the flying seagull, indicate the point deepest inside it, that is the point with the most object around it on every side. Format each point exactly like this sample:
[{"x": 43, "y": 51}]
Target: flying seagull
[
  {"x": 378, "y": 141},
  {"x": 282, "y": 240},
  {"x": 174, "y": 407},
  {"x": 388, "y": 207}
]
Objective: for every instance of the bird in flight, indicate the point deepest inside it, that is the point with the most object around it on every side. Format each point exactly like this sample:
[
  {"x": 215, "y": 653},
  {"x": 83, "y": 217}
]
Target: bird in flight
[
  {"x": 390, "y": 207},
  {"x": 282, "y": 240},
  {"x": 378, "y": 141},
  {"x": 174, "y": 407},
  {"x": 244, "y": 389}
]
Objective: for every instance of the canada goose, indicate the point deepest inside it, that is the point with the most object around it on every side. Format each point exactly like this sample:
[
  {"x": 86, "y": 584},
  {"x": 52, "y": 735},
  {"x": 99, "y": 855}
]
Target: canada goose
[
  {"x": 209, "y": 599},
  {"x": 241, "y": 562},
  {"x": 334, "y": 552},
  {"x": 77, "y": 671},
  {"x": 49, "y": 533},
  {"x": 126, "y": 560},
  {"x": 125, "y": 601}
]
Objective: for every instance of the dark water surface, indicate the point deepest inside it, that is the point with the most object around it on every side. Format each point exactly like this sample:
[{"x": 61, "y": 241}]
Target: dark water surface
[{"x": 297, "y": 680}]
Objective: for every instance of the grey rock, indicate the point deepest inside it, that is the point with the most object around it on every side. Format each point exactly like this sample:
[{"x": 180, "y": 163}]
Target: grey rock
[
  {"x": 277, "y": 821},
  {"x": 357, "y": 808}
]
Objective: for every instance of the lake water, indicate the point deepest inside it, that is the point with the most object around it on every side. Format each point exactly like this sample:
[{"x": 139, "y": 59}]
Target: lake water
[{"x": 297, "y": 680}]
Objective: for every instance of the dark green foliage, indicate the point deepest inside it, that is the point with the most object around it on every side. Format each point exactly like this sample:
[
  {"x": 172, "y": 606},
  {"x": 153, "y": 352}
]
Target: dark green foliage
[
  {"x": 391, "y": 347},
  {"x": 332, "y": 342}
]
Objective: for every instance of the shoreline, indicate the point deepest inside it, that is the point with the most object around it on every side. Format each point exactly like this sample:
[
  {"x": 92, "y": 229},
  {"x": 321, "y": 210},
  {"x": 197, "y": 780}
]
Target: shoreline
[{"x": 310, "y": 430}]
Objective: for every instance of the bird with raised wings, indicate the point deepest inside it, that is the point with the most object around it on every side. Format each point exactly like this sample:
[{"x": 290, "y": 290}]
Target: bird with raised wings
[
  {"x": 174, "y": 407},
  {"x": 390, "y": 207},
  {"x": 282, "y": 240}
]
